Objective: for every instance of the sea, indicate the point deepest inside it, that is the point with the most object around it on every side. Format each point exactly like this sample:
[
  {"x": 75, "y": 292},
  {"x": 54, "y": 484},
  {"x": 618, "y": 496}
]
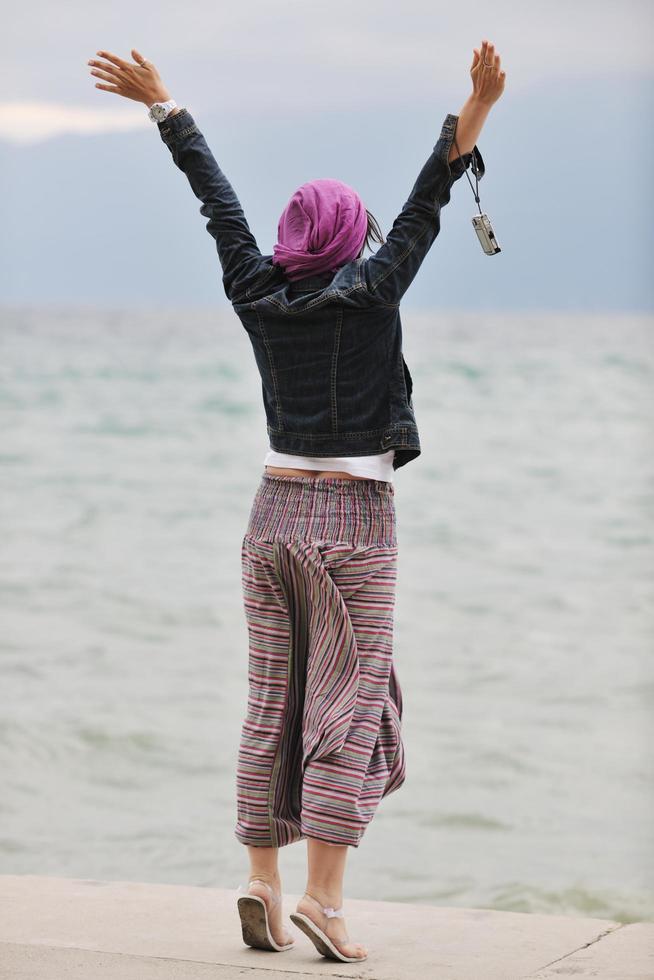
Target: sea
[{"x": 131, "y": 446}]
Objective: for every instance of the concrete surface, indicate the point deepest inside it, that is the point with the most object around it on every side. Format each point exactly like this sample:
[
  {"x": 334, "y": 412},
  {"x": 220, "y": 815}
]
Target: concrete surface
[{"x": 78, "y": 929}]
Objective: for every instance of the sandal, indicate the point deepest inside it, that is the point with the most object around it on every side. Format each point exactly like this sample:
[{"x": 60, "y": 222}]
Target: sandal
[
  {"x": 254, "y": 918},
  {"x": 320, "y": 939}
]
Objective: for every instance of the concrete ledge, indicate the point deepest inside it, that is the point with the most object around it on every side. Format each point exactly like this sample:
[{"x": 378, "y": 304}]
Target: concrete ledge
[{"x": 80, "y": 929}]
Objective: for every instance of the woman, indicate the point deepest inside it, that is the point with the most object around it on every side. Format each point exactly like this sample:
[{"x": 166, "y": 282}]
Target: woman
[{"x": 321, "y": 742}]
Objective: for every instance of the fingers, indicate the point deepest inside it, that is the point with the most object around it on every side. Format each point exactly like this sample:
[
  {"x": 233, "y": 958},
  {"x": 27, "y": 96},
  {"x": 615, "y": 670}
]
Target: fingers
[
  {"x": 114, "y": 59},
  {"x": 484, "y": 57},
  {"x": 489, "y": 59},
  {"x": 488, "y": 78},
  {"x": 497, "y": 63},
  {"x": 138, "y": 80},
  {"x": 139, "y": 59},
  {"x": 110, "y": 70},
  {"x": 104, "y": 74}
]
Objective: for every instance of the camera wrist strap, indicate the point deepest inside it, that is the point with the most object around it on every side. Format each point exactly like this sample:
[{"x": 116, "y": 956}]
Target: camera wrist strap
[{"x": 473, "y": 164}]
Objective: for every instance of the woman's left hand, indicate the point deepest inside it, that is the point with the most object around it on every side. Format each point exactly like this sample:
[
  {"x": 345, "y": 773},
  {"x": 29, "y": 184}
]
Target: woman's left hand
[{"x": 139, "y": 81}]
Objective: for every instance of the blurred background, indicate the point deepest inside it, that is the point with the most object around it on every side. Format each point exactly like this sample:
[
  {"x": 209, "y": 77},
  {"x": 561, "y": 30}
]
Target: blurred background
[{"x": 133, "y": 438}]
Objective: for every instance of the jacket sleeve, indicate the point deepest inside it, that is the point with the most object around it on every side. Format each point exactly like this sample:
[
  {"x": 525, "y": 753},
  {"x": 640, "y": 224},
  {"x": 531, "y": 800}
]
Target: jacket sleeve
[
  {"x": 392, "y": 269},
  {"x": 238, "y": 252}
]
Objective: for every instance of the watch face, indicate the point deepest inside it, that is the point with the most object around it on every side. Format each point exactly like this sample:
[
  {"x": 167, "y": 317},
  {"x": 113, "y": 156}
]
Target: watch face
[{"x": 158, "y": 113}]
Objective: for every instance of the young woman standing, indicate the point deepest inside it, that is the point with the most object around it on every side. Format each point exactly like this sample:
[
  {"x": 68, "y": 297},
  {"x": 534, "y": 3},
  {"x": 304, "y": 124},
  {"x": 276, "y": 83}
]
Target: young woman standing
[{"x": 321, "y": 742}]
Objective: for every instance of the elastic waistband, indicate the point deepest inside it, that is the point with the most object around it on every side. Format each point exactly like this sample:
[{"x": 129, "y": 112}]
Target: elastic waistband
[{"x": 330, "y": 509}]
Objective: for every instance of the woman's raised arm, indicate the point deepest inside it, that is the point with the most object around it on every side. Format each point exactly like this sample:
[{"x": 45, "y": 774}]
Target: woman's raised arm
[
  {"x": 391, "y": 270},
  {"x": 238, "y": 252},
  {"x": 487, "y": 87}
]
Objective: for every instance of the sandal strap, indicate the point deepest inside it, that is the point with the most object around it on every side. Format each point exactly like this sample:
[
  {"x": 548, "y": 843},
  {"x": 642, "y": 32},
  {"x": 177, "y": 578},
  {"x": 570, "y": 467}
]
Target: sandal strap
[
  {"x": 329, "y": 911},
  {"x": 332, "y": 913},
  {"x": 275, "y": 896}
]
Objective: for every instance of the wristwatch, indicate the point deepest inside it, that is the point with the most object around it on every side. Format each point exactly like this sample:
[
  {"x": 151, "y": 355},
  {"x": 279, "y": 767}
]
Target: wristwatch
[{"x": 160, "y": 110}]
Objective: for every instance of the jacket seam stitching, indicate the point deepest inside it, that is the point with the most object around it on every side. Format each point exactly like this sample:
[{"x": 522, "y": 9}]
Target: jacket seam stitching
[
  {"x": 314, "y": 302},
  {"x": 273, "y": 372},
  {"x": 182, "y": 132},
  {"x": 400, "y": 429},
  {"x": 412, "y": 244},
  {"x": 258, "y": 282},
  {"x": 337, "y": 340}
]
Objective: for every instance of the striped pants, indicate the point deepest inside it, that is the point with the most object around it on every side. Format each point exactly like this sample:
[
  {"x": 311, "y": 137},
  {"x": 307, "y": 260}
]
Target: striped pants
[{"x": 321, "y": 741}]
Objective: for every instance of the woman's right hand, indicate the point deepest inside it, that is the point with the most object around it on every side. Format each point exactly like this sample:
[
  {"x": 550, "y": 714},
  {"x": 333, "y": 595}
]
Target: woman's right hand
[
  {"x": 487, "y": 79},
  {"x": 140, "y": 82}
]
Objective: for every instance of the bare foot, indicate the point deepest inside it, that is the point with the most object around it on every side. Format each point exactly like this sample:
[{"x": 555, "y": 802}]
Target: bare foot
[
  {"x": 332, "y": 926},
  {"x": 257, "y": 887}
]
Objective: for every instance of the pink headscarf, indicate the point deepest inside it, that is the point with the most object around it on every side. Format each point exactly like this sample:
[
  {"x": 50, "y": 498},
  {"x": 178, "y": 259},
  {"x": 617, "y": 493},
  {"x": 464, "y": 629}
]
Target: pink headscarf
[{"x": 322, "y": 227}]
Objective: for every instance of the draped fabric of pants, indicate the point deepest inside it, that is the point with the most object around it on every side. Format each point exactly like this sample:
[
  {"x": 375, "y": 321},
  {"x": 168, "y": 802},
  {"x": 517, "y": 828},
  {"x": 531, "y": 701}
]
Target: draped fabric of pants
[{"x": 321, "y": 742}]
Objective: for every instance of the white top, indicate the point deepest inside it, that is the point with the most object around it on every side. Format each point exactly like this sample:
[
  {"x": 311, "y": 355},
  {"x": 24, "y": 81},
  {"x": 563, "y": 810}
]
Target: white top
[{"x": 378, "y": 467}]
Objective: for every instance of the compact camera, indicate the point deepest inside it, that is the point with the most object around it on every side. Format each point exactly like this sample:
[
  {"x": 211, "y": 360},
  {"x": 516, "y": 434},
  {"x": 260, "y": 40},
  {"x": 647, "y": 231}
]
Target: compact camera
[{"x": 485, "y": 233}]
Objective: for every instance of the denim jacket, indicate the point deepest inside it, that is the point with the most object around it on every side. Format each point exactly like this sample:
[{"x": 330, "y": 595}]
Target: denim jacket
[{"x": 328, "y": 347}]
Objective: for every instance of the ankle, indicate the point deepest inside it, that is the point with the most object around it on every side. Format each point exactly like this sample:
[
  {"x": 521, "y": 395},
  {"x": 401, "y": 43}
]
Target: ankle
[
  {"x": 272, "y": 878},
  {"x": 328, "y": 898}
]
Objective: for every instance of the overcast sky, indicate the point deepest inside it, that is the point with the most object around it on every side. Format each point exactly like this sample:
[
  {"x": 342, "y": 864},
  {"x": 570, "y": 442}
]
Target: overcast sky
[
  {"x": 311, "y": 54},
  {"x": 290, "y": 91}
]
